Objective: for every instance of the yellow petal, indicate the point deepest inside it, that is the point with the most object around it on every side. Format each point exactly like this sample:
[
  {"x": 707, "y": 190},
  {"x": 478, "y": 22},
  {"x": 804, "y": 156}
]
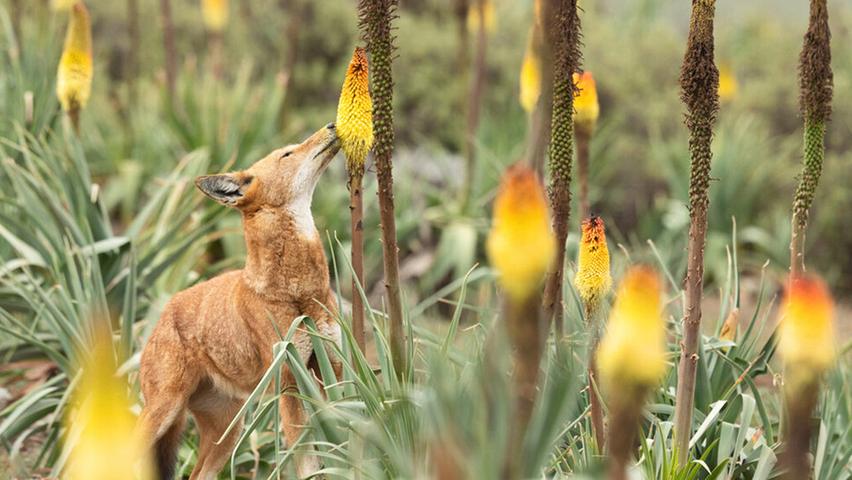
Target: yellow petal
[
  {"x": 727, "y": 83},
  {"x": 521, "y": 244},
  {"x": 632, "y": 352}
]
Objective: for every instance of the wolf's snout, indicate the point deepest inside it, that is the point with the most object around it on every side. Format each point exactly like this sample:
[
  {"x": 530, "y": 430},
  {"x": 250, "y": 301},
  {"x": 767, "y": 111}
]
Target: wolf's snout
[{"x": 330, "y": 126}]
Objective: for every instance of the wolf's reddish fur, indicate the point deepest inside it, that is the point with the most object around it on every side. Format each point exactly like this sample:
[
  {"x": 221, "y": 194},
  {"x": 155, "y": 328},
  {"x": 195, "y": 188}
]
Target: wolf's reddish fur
[{"x": 214, "y": 340}]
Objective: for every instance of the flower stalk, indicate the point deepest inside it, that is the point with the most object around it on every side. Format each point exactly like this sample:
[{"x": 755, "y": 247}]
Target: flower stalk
[
  {"x": 586, "y": 112},
  {"x": 74, "y": 75},
  {"x": 565, "y": 39},
  {"x": 520, "y": 248},
  {"x": 376, "y": 17},
  {"x": 632, "y": 360},
  {"x": 806, "y": 343},
  {"x": 355, "y": 129},
  {"x": 540, "y": 117},
  {"x": 593, "y": 282},
  {"x": 475, "y": 93},
  {"x": 699, "y": 80},
  {"x": 816, "y": 87}
]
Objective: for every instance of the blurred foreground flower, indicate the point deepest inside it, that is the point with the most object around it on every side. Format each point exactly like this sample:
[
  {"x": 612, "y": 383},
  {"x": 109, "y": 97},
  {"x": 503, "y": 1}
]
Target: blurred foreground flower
[
  {"x": 632, "y": 352},
  {"x": 586, "y": 108},
  {"x": 530, "y": 81},
  {"x": 215, "y": 14},
  {"x": 520, "y": 245},
  {"x": 355, "y": 111},
  {"x": 806, "y": 345},
  {"x": 74, "y": 75},
  {"x": 593, "y": 280},
  {"x": 806, "y": 331},
  {"x": 631, "y": 358},
  {"x": 107, "y": 446}
]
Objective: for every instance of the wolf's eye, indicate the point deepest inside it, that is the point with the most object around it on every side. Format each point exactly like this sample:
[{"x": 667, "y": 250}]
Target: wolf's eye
[{"x": 286, "y": 155}]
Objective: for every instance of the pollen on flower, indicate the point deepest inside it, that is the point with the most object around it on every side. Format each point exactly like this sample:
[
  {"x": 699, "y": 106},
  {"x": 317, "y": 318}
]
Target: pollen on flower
[
  {"x": 530, "y": 82},
  {"x": 521, "y": 244},
  {"x": 108, "y": 444},
  {"x": 593, "y": 279},
  {"x": 586, "y": 108},
  {"x": 215, "y": 14},
  {"x": 806, "y": 327},
  {"x": 355, "y": 111},
  {"x": 632, "y": 352},
  {"x": 74, "y": 75}
]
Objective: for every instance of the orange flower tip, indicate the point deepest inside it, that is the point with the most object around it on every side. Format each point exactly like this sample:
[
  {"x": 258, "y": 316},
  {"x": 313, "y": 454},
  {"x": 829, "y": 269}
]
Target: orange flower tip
[
  {"x": 806, "y": 327},
  {"x": 520, "y": 245}
]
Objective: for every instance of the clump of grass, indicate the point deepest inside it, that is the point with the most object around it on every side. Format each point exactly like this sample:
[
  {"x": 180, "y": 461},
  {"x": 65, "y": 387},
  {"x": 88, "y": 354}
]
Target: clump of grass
[
  {"x": 699, "y": 81},
  {"x": 816, "y": 81}
]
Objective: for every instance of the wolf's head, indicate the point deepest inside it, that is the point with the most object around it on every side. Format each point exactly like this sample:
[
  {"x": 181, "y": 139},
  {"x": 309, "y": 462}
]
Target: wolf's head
[{"x": 284, "y": 179}]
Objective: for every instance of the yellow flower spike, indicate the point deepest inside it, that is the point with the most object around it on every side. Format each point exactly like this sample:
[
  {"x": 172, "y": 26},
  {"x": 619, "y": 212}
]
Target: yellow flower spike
[
  {"x": 727, "y": 83},
  {"x": 806, "y": 330},
  {"x": 355, "y": 111},
  {"x": 215, "y": 14},
  {"x": 586, "y": 108},
  {"x": 488, "y": 15},
  {"x": 62, "y": 5},
  {"x": 530, "y": 82},
  {"x": 593, "y": 279},
  {"x": 107, "y": 444},
  {"x": 632, "y": 352},
  {"x": 521, "y": 244},
  {"x": 74, "y": 75}
]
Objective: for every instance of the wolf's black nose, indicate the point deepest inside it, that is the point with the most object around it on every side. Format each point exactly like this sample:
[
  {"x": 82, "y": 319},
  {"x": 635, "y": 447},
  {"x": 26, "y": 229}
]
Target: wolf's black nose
[{"x": 330, "y": 126}]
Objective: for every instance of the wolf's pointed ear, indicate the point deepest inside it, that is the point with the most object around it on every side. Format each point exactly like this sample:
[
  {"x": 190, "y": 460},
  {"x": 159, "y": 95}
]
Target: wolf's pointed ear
[{"x": 227, "y": 188}]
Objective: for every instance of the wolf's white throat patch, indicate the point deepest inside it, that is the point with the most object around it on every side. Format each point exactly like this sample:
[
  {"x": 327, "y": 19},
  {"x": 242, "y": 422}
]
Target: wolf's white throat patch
[{"x": 300, "y": 207}]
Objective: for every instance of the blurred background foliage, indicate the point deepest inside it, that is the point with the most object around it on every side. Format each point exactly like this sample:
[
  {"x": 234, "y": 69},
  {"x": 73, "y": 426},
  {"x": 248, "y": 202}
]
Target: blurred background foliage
[{"x": 116, "y": 208}]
